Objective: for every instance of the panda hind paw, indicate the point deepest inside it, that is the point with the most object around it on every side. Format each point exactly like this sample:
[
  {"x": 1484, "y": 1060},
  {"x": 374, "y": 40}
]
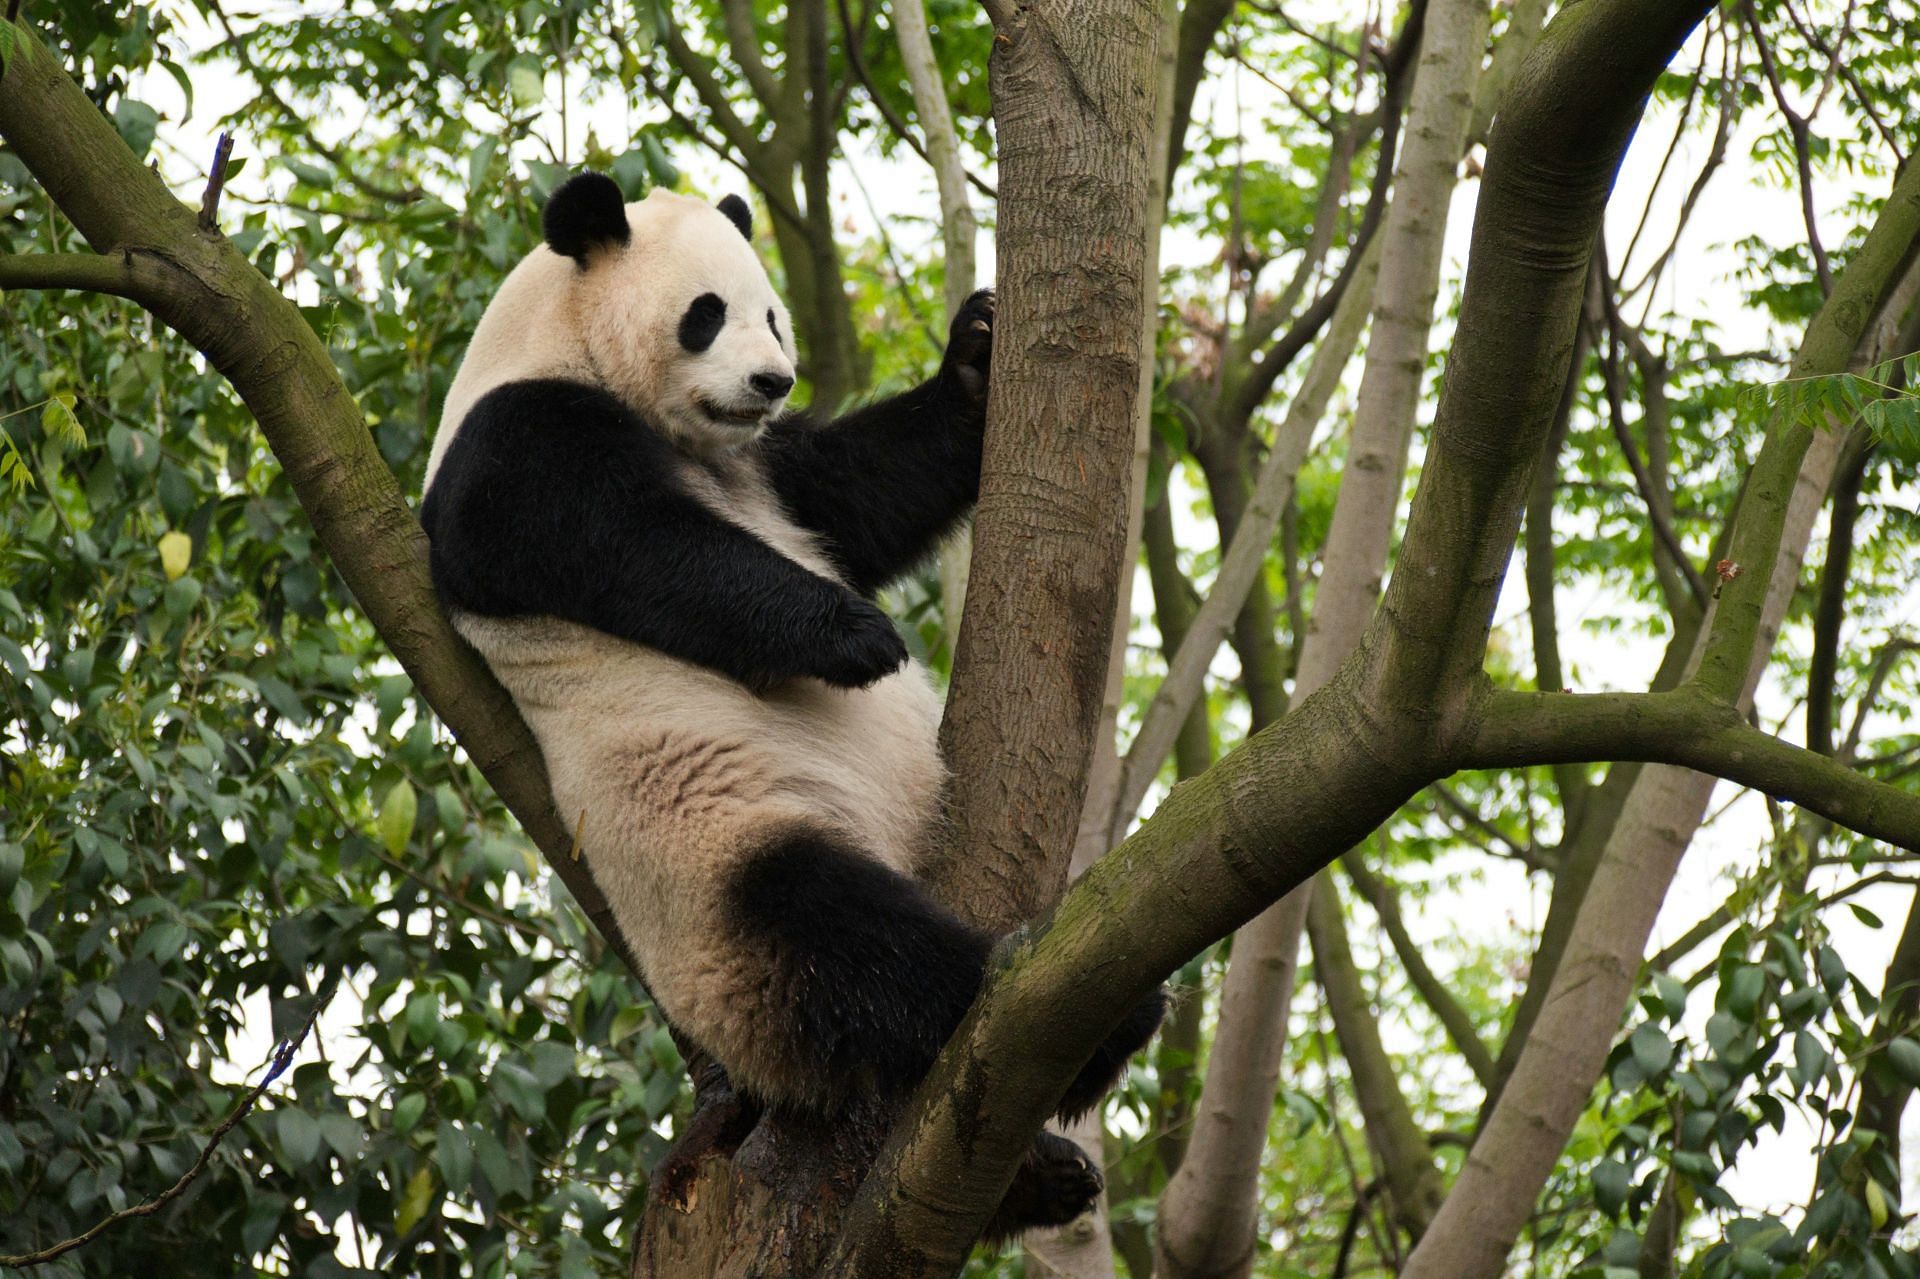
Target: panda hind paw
[{"x": 1055, "y": 1183}]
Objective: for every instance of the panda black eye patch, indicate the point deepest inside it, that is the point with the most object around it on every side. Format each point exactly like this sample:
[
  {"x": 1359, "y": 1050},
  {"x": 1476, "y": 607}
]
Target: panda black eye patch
[
  {"x": 702, "y": 322},
  {"x": 772, "y": 325}
]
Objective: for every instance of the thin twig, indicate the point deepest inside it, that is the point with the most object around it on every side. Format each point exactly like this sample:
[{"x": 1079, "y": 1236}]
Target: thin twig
[
  {"x": 216, "y": 182},
  {"x": 276, "y": 1066},
  {"x": 1797, "y": 129},
  {"x": 1658, "y": 516},
  {"x": 892, "y": 117}
]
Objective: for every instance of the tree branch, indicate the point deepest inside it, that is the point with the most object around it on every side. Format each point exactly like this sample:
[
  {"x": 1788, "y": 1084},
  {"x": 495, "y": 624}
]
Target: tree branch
[
  {"x": 1830, "y": 609},
  {"x": 1433, "y": 992},
  {"x": 276, "y": 1066},
  {"x": 153, "y": 250},
  {"x": 1271, "y": 363},
  {"x": 138, "y": 277},
  {"x": 1246, "y": 553},
  {"x": 1830, "y": 341},
  {"x": 941, "y": 150},
  {"x": 1797, "y": 129},
  {"x": 1689, "y": 728}
]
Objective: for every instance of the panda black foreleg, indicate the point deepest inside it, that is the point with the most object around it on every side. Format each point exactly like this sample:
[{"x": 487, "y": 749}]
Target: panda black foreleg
[
  {"x": 872, "y": 975},
  {"x": 883, "y": 483}
]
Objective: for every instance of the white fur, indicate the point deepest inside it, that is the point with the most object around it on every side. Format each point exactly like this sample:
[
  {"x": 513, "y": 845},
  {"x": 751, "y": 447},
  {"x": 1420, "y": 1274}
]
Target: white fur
[
  {"x": 670, "y": 774},
  {"x": 616, "y": 324}
]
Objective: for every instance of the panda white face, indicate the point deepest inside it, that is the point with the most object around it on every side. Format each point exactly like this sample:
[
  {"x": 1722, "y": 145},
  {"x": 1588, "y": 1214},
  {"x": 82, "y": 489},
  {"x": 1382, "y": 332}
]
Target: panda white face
[{"x": 679, "y": 319}]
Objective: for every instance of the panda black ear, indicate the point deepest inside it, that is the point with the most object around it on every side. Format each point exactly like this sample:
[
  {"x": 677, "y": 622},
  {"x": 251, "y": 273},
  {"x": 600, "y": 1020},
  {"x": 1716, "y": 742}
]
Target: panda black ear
[
  {"x": 739, "y": 214},
  {"x": 586, "y": 213}
]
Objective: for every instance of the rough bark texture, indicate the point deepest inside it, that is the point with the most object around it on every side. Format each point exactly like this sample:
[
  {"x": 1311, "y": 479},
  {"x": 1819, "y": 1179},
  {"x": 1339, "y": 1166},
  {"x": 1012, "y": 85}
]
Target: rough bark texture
[
  {"x": 1073, "y": 102},
  {"x": 1567, "y": 1047}
]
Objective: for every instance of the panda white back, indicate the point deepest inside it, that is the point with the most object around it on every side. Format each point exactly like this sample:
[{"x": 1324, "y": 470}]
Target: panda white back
[{"x": 673, "y": 580}]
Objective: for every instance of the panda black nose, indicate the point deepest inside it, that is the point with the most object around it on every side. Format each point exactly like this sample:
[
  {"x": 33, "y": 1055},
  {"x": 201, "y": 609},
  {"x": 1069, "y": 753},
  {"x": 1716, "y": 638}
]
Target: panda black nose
[{"x": 771, "y": 385}]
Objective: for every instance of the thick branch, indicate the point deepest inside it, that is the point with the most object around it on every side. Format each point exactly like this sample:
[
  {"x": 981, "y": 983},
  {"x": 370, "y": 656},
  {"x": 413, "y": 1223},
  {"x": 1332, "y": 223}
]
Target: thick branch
[
  {"x": 1688, "y": 728},
  {"x": 137, "y": 277},
  {"x": 1830, "y": 341},
  {"x": 152, "y": 249}
]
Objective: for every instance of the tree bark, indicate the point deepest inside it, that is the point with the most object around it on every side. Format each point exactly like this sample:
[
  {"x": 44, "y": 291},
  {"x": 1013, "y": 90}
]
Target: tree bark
[
  {"x": 1554, "y": 1073},
  {"x": 1074, "y": 106}
]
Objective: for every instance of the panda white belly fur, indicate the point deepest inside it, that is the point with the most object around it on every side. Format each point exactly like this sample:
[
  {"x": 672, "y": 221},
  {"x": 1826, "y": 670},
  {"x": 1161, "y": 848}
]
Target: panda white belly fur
[{"x": 670, "y": 774}]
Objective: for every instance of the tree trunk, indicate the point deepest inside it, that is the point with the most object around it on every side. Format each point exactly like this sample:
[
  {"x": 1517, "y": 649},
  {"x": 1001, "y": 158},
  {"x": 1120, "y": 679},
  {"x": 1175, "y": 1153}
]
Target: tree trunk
[
  {"x": 1074, "y": 107},
  {"x": 1580, "y": 1015},
  {"x": 1207, "y": 1214}
]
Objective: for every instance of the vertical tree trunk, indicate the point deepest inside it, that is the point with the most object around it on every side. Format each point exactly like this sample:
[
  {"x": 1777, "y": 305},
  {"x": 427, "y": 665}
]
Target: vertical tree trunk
[
  {"x": 1207, "y": 1214},
  {"x": 1564, "y": 1053},
  {"x": 1084, "y": 1248},
  {"x": 1073, "y": 100}
]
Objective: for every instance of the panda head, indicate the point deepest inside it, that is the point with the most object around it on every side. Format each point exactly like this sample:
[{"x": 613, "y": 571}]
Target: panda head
[{"x": 675, "y": 314}]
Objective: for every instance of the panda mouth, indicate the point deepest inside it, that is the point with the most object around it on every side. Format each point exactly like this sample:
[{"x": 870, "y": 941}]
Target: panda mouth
[{"x": 734, "y": 417}]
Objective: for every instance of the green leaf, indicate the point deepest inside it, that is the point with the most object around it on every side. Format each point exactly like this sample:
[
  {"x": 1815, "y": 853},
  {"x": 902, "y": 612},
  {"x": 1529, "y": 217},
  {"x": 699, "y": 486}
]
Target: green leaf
[
  {"x": 1651, "y": 1049},
  {"x": 626, "y": 1022},
  {"x": 415, "y": 1199},
  {"x": 1833, "y": 970},
  {"x": 1809, "y": 1056},
  {"x": 137, "y": 123},
  {"x": 1673, "y": 994},
  {"x": 407, "y": 1112},
  {"x": 308, "y": 174},
  {"x": 454, "y": 1155},
  {"x": 299, "y": 1137},
  {"x": 1743, "y": 990},
  {"x": 1611, "y": 1182},
  {"x": 180, "y": 597},
  {"x": 1903, "y": 1054},
  {"x": 59, "y": 421},
  {"x": 423, "y": 1013},
  {"x": 398, "y": 811},
  {"x": 9, "y": 41},
  {"x": 526, "y": 81}
]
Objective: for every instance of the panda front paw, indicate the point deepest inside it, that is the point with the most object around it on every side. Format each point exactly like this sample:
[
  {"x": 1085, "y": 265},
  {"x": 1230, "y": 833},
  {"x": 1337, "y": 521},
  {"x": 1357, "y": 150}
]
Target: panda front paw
[
  {"x": 970, "y": 347},
  {"x": 865, "y": 647}
]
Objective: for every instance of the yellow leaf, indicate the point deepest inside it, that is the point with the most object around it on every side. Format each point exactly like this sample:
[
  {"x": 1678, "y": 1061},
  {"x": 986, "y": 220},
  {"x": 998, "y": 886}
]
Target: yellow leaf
[
  {"x": 1876, "y": 1204},
  {"x": 176, "y": 552},
  {"x": 397, "y": 812}
]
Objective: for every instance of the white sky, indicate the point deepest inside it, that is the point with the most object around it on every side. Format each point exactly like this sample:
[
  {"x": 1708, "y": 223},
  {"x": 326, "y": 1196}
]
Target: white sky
[{"x": 1776, "y": 1174}]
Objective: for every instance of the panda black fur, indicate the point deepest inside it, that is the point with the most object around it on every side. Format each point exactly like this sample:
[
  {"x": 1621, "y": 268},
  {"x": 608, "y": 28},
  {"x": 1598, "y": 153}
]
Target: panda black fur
[{"x": 673, "y": 580}]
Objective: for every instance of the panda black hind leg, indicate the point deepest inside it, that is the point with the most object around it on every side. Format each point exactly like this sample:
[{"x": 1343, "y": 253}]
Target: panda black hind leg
[{"x": 870, "y": 975}]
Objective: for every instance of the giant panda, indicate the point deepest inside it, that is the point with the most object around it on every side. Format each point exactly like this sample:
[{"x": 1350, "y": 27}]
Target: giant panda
[{"x": 674, "y": 580}]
